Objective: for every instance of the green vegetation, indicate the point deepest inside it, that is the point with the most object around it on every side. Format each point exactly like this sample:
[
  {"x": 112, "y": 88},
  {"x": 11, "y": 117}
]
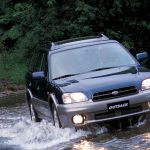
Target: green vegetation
[
  {"x": 26, "y": 26},
  {"x": 11, "y": 69}
]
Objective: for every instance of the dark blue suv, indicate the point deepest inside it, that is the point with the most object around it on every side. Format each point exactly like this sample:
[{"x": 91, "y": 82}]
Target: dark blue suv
[{"x": 87, "y": 80}]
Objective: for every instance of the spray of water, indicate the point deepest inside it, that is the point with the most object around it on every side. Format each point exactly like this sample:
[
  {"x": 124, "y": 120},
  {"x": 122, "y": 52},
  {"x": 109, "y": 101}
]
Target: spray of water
[
  {"x": 31, "y": 135},
  {"x": 20, "y": 131}
]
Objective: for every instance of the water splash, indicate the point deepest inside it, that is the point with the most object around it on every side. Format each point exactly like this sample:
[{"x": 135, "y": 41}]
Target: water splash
[
  {"x": 31, "y": 135},
  {"x": 20, "y": 131}
]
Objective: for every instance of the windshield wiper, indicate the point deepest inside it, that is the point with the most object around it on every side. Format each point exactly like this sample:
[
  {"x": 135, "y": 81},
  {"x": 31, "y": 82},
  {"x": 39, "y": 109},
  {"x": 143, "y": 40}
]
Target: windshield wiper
[
  {"x": 65, "y": 76},
  {"x": 98, "y": 69}
]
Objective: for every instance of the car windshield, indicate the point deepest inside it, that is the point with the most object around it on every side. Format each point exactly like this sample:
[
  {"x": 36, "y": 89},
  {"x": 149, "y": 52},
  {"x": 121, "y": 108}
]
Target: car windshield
[{"x": 89, "y": 58}]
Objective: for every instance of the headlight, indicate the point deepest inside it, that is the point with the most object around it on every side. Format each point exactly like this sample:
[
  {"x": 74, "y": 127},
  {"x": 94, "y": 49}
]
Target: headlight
[
  {"x": 74, "y": 98},
  {"x": 146, "y": 84}
]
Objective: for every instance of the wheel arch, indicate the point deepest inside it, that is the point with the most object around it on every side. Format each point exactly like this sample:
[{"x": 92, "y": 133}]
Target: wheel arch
[
  {"x": 53, "y": 103},
  {"x": 28, "y": 95},
  {"x": 52, "y": 100}
]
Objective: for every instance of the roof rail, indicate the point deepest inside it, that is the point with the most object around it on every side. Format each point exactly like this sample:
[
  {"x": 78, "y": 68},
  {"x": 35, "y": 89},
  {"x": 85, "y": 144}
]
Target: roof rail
[
  {"x": 101, "y": 35},
  {"x": 52, "y": 44},
  {"x": 74, "y": 39}
]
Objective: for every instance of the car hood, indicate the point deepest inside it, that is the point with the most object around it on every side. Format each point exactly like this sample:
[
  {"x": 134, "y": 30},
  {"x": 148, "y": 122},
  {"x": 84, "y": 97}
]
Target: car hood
[{"x": 104, "y": 80}]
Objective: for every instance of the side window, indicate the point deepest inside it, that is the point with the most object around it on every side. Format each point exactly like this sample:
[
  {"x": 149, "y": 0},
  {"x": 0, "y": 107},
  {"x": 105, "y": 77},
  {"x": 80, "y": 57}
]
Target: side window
[
  {"x": 39, "y": 63},
  {"x": 33, "y": 62},
  {"x": 36, "y": 62},
  {"x": 44, "y": 64}
]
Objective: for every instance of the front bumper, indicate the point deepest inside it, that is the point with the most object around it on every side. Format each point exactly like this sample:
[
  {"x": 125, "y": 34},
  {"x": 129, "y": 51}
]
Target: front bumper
[{"x": 96, "y": 112}]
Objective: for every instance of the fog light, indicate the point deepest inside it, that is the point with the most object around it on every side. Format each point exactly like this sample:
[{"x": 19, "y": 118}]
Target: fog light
[{"x": 78, "y": 119}]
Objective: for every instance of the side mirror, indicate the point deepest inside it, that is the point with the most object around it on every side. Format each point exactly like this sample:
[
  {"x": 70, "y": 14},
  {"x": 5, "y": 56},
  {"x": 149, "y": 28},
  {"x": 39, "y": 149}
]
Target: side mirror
[
  {"x": 141, "y": 57},
  {"x": 38, "y": 75}
]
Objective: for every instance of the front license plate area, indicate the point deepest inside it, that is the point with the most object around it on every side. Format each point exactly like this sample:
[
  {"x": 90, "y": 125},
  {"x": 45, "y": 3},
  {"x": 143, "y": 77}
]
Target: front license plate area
[{"x": 118, "y": 105}]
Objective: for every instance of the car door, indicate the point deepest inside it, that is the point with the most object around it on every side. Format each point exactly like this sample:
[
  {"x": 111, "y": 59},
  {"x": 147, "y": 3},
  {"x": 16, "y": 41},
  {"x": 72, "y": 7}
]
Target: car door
[
  {"x": 34, "y": 81},
  {"x": 42, "y": 88},
  {"x": 34, "y": 70}
]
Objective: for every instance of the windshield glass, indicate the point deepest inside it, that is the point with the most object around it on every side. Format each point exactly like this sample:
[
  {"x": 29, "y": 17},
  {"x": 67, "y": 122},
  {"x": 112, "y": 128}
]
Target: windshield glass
[{"x": 85, "y": 59}]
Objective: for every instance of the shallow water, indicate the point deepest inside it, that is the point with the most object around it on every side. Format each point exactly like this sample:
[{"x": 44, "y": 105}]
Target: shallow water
[{"x": 18, "y": 132}]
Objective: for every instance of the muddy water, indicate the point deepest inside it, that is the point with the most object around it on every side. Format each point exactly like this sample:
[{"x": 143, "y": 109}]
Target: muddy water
[{"x": 18, "y": 132}]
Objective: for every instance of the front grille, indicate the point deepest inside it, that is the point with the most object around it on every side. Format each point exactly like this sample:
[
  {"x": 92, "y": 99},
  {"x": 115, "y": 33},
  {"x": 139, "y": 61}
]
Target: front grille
[{"x": 121, "y": 92}]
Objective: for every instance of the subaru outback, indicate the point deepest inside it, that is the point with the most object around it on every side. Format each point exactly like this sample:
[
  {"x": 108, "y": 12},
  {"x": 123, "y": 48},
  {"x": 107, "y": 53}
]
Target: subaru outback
[{"x": 87, "y": 80}]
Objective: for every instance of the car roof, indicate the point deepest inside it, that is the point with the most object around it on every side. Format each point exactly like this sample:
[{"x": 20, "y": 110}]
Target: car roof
[{"x": 76, "y": 41}]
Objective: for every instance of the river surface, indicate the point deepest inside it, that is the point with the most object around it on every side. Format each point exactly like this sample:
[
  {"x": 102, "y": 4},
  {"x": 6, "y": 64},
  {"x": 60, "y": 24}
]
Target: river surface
[{"x": 18, "y": 132}]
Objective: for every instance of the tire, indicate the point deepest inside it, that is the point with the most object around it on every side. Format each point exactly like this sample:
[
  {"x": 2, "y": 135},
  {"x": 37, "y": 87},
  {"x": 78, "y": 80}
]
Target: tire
[
  {"x": 33, "y": 114},
  {"x": 56, "y": 121},
  {"x": 139, "y": 118},
  {"x": 132, "y": 120}
]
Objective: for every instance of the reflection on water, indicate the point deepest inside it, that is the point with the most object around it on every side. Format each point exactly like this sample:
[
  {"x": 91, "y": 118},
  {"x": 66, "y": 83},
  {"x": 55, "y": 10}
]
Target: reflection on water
[
  {"x": 135, "y": 138},
  {"x": 86, "y": 145}
]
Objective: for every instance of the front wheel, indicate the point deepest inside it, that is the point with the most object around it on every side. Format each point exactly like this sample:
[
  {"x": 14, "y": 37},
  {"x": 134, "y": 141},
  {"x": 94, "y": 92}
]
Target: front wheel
[
  {"x": 56, "y": 121},
  {"x": 135, "y": 120},
  {"x": 139, "y": 118}
]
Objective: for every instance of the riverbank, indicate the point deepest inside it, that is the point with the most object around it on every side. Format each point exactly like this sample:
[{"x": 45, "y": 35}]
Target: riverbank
[
  {"x": 9, "y": 92},
  {"x": 12, "y": 97},
  {"x": 6, "y": 85}
]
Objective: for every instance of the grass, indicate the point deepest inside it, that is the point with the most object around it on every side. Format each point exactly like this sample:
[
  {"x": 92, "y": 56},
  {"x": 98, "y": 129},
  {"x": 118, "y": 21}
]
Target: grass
[
  {"x": 12, "y": 70},
  {"x": 15, "y": 74}
]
